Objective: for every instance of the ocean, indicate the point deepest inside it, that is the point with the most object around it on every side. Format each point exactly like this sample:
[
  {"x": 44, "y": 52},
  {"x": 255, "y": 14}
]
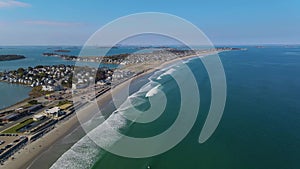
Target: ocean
[{"x": 259, "y": 129}]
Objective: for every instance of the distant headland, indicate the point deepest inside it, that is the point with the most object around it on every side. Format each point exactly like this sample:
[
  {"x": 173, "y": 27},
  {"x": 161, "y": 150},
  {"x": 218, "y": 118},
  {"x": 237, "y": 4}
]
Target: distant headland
[
  {"x": 11, "y": 57},
  {"x": 62, "y": 50}
]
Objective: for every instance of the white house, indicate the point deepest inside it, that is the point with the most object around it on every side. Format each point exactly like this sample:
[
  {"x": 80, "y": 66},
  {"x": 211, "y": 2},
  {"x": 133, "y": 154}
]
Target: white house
[
  {"x": 53, "y": 112},
  {"x": 50, "y": 88},
  {"x": 38, "y": 117},
  {"x": 80, "y": 85}
]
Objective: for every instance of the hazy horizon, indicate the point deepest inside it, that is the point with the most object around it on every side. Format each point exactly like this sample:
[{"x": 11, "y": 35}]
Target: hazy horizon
[{"x": 233, "y": 22}]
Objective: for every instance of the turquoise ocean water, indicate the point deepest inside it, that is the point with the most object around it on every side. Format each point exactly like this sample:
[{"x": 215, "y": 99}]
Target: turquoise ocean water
[{"x": 260, "y": 127}]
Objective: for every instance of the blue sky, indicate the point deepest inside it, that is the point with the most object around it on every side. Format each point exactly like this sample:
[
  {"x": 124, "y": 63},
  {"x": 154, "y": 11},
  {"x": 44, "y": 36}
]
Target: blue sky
[{"x": 62, "y": 22}]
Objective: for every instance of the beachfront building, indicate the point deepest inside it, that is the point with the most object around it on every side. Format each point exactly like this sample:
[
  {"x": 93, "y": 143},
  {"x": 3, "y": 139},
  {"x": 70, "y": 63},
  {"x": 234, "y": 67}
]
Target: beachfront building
[
  {"x": 54, "y": 112},
  {"x": 50, "y": 88},
  {"x": 38, "y": 117},
  {"x": 80, "y": 86},
  {"x": 101, "y": 82},
  {"x": 21, "y": 109}
]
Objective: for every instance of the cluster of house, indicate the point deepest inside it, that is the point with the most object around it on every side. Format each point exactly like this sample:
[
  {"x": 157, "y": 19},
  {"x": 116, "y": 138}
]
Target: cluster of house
[
  {"x": 49, "y": 76},
  {"x": 84, "y": 59},
  {"x": 122, "y": 74},
  {"x": 51, "y": 88},
  {"x": 145, "y": 58},
  {"x": 83, "y": 77},
  {"x": 168, "y": 54},
  {"x": 102, "y": 59},
  {"x": 161, "y": 55}
]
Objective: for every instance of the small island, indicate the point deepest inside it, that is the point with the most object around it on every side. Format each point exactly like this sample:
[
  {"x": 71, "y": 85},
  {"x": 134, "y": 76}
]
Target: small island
[
  {"x": 62, "y": 51},
  {"x": 11, "y": 57}
]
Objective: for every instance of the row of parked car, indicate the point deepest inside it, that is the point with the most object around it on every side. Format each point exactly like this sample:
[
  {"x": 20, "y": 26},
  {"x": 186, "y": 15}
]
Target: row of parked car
[{"x": 8, "y": 134}]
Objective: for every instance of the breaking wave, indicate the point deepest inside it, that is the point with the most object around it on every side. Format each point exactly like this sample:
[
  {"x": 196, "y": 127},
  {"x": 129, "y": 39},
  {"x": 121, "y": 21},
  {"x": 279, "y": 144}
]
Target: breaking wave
[{"x": 86, "y": 152}]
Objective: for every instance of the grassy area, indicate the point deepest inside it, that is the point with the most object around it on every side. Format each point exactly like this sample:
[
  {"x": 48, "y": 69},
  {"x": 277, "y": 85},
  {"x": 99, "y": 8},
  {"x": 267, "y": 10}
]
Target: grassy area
[
  {"x": 65, "y": 106},
  {"x": 31, "y": 103},
  {"x": 60, "y": 103},
  {"x": 15, "y": 128},
  {"x": 26, "y": 106},
  {"x": 37, "y": 92}
]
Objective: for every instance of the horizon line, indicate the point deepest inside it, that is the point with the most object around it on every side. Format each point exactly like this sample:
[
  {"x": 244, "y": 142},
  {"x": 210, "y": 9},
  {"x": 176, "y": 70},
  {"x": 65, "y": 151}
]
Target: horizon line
[{"x": 155, "y": 45}]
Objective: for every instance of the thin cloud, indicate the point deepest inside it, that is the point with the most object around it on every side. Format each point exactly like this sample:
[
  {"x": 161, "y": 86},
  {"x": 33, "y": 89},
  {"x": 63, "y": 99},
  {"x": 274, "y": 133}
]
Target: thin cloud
[
  {"x": 13, "y": 3},
  {"x": 53, "y": 23}
]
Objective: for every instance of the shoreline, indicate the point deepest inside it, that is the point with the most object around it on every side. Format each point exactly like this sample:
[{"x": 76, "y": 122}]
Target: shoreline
[
  {"x": 17, "y": 104},
  {"x": 34, "y": 150},
  {"x": 26, "y": 157}
]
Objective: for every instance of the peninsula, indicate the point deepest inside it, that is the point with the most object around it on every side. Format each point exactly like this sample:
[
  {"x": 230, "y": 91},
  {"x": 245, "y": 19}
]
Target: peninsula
[{"x": 163, "y": 53}]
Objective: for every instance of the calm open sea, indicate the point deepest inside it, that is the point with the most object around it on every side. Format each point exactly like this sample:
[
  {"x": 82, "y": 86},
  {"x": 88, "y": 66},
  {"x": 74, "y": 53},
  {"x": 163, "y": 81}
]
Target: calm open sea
[{"x": 260, "y": 127}]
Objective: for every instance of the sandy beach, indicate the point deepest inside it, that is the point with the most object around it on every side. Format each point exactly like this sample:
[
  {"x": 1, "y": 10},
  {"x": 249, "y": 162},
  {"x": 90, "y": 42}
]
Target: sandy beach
[{"x": 27, "y": 155}]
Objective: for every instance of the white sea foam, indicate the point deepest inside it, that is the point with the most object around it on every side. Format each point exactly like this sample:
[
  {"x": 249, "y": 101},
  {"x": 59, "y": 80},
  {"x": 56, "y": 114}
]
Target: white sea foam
[
  {"x": 152, "y": 92},
  {"x": 82, "y": 155},
  {"x": 85, "y": 152},
  {"x": 191, "y": 59},
  {"x": 168, "y": 72}
]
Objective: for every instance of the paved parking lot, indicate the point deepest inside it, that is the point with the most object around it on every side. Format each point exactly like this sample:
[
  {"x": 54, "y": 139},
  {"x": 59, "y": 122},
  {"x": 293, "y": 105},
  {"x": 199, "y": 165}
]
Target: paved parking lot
[{"x": 7, "y": 140}]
